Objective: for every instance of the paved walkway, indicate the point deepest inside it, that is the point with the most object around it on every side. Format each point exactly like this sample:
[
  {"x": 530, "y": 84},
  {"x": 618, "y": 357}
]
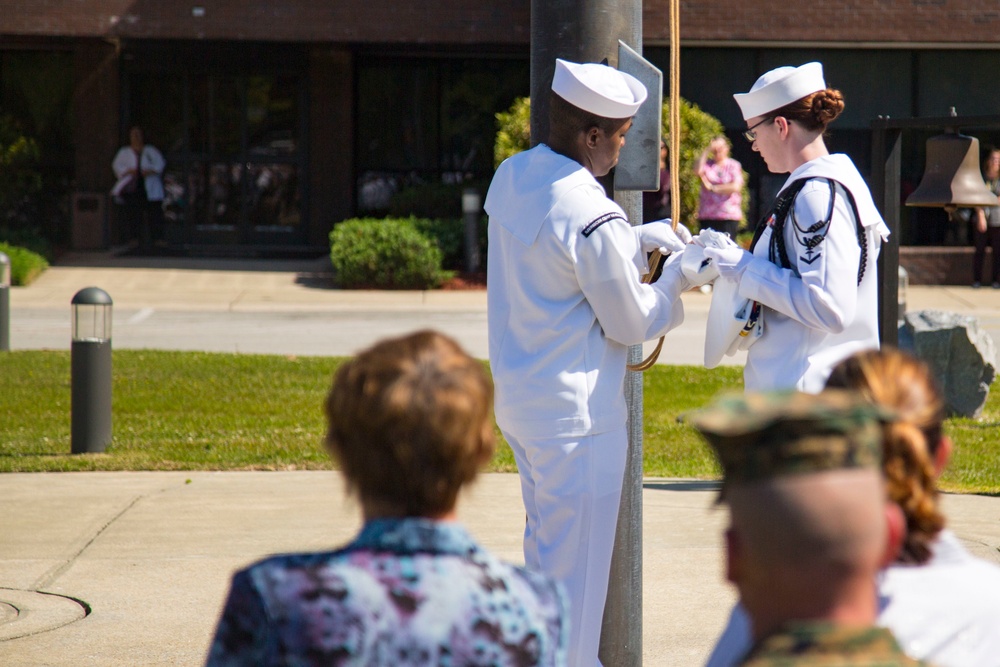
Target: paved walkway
[
  {"x": 291, "y": 307},
  {"x": 119, "y": 569}
]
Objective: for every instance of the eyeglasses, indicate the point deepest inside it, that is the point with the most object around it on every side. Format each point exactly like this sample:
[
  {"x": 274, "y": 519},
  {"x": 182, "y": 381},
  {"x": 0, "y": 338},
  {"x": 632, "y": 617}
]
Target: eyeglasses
[{"x": 749, "y": 133}]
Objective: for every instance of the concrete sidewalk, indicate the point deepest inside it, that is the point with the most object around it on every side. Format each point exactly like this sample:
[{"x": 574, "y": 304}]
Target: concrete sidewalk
[
  {"x": 149, "y": 555},
  {"x": 291, "y": 307},
  {"x": 117, "y": 569}
]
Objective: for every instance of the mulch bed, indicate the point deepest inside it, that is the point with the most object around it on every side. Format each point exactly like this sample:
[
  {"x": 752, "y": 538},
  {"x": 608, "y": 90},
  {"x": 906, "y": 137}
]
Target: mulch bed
[{"x": 466, "y": 281}]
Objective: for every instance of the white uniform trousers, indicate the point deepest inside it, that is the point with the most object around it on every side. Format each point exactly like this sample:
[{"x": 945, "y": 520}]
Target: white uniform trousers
[{"x": 572, "y": 488}]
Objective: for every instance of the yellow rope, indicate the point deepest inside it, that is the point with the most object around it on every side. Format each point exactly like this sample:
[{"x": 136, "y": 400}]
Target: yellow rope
[
  {"x": 675, "y": 111},
  {"x": 675, "y": 157}
]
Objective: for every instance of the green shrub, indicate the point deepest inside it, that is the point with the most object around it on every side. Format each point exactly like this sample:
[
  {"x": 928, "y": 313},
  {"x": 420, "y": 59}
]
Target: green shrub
[
  {"x": 385, "y": 253},
  {"x": 449, "y": 235},
  {"x": 698, "y": 128},
  {"x": 25, "y": 265}
]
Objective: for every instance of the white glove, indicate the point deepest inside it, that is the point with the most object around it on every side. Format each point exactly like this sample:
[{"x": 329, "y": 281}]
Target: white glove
[
  {"x": 683, "y": 233},
  {"x": 673, "y": 275},
  {"x": 711, "y": 238},
  {"x": 659, "y": 235},
  {"x": 731, "y": 262},
  {"x": 697, "y": 267}
]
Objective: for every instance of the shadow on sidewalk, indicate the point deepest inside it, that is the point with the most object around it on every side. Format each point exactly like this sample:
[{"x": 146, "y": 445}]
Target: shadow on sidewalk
[
  {"x": 120, "y": 258},
  {"x": 683, "y": 485}
]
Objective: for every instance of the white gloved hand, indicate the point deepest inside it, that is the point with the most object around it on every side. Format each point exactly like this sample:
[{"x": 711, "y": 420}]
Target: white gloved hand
[
  {"x": 673, "y": 274},
  {"x": 683, "y": 233},
  {"x": 659, "y": 235},
  {"x": 711, "y": 238},
  {"x": 697, "y": 267},
  {"x": 731, "y": 262}
]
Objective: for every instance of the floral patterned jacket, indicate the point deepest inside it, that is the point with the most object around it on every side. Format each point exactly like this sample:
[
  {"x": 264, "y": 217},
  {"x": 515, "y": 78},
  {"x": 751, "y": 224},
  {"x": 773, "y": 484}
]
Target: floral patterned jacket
[{"x": 406, "y": 592}]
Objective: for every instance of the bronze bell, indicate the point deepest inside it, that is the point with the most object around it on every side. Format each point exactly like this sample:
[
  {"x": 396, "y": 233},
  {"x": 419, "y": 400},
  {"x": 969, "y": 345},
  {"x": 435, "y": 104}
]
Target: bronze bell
[{"x": 952, "y": 175}]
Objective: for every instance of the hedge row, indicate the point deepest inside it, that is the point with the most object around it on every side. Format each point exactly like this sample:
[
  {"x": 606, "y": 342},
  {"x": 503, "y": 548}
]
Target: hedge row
[
  {"x": 398, "y": 253},
  {"x": 25, "y": 265}
]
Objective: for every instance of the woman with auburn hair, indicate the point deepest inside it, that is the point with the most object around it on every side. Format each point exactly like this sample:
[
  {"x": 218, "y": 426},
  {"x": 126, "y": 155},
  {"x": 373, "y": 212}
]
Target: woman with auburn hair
[
  {"x": 941, "y": 603},
  {"x": 915, "y": 448},
  {"x": 410, "y": 421},
  {"x": 810, "y": 272}
]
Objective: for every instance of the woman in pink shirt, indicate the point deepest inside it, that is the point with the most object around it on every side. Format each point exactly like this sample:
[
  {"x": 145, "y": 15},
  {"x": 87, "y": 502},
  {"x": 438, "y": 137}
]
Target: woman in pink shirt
[{"x": 721, "y": 186}]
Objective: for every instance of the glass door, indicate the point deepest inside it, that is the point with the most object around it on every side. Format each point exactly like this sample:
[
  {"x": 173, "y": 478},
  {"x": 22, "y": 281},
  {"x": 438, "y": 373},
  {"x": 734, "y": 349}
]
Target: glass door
[{"x": 235, "y": 163}]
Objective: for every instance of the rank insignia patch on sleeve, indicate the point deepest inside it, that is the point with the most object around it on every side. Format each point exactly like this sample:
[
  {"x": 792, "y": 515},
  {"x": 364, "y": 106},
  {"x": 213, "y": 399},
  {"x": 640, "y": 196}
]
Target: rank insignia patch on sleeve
[{"x": 597, "y": 222}]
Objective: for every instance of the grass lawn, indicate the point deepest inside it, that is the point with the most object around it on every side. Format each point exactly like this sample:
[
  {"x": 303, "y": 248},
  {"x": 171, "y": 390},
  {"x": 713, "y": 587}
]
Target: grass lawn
[{"x": 201, "y": 411}]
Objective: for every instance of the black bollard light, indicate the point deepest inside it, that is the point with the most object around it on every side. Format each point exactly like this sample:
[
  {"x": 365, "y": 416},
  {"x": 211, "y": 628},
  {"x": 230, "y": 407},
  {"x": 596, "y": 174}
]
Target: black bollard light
[
  {"x": 4, "y": 302},
  {"x": 471, "y": 206},
  {"x": 90, "y": 364}
]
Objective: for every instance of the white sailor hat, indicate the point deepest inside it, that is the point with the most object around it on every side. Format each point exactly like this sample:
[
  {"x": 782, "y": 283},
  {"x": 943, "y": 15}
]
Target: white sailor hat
[
  {"x": 599, "y": 89},
  {"x": 779, "y": 87},
  {"x": 734, "y": 322}
]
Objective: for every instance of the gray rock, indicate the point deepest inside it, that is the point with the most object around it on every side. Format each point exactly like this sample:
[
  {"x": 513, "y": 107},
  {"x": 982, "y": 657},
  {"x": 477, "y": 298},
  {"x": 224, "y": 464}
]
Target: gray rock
[{"x": 961, "y": 355}]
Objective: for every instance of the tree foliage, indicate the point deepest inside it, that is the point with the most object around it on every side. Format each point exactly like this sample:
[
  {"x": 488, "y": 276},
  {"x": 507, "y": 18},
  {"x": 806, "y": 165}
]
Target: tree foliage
[
  {"x": 19, "y": 177},
  {"x": 513, "y": 130}
]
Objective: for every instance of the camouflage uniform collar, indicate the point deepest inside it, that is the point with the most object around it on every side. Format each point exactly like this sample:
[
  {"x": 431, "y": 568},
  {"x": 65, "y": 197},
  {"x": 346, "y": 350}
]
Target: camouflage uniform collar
[{"x": 824, "y": 643}]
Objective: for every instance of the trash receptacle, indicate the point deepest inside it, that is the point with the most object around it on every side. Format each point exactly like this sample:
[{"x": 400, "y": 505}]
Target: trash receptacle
[{"x": 90, "y": 221}]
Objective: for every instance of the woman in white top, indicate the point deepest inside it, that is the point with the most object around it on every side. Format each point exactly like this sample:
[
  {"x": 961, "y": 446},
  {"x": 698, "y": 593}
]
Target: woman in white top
[
  {"x": 941, "y": 603},
  {"x": 812, "y": 264},
  {"x": 139, "y": 190}
]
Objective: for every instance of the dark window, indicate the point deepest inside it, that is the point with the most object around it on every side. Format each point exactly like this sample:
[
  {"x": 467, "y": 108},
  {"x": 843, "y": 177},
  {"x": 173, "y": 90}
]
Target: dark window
[
  {"x": 36, "y": 92},
  {"x": 429, "y": 120}
]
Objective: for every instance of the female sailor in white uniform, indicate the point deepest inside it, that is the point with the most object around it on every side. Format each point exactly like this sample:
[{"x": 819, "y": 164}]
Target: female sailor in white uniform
[{"x": 812, "y": 264}]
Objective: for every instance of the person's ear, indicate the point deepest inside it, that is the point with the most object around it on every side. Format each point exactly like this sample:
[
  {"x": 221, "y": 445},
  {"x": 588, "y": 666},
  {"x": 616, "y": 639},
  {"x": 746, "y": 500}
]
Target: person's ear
[
  {"x": 895, "y": 533},
  {"x": 593, "y": 134},
  {"x": 734, "y": 555},
  {"x": 783, "y": 125},
  {"x": 942, "y": 455}
]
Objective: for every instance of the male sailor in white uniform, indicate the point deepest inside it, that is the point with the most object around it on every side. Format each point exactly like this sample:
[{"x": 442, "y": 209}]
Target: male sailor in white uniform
[{"x": 565, "y": 300}]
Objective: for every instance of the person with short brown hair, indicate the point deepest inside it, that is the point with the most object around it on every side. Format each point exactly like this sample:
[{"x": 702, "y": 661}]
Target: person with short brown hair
[{"x": 410, "y": 421}]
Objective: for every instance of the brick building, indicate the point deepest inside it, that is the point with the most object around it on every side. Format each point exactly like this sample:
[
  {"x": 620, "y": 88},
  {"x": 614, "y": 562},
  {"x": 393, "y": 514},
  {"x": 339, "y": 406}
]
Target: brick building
[{"x": 279, "y": 119}]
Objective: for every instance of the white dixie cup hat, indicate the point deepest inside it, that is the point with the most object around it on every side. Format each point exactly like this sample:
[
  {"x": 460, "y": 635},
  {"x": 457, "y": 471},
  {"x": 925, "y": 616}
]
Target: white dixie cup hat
[
  {"x": 600, "y": 89},
  {"x": 779, "y": 87}
]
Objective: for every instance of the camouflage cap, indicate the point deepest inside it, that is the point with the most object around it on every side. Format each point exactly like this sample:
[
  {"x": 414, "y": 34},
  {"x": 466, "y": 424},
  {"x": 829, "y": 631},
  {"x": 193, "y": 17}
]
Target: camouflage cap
[{"x": 760, "y": 436}]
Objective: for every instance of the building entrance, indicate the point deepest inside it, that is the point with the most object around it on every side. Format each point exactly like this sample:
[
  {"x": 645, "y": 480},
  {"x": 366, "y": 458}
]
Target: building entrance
[{"x": 232, "y": 135}]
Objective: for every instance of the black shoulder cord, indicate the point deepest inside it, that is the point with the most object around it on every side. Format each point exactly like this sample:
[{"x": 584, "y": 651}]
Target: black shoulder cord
[{"x": 777, "y": 252}]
